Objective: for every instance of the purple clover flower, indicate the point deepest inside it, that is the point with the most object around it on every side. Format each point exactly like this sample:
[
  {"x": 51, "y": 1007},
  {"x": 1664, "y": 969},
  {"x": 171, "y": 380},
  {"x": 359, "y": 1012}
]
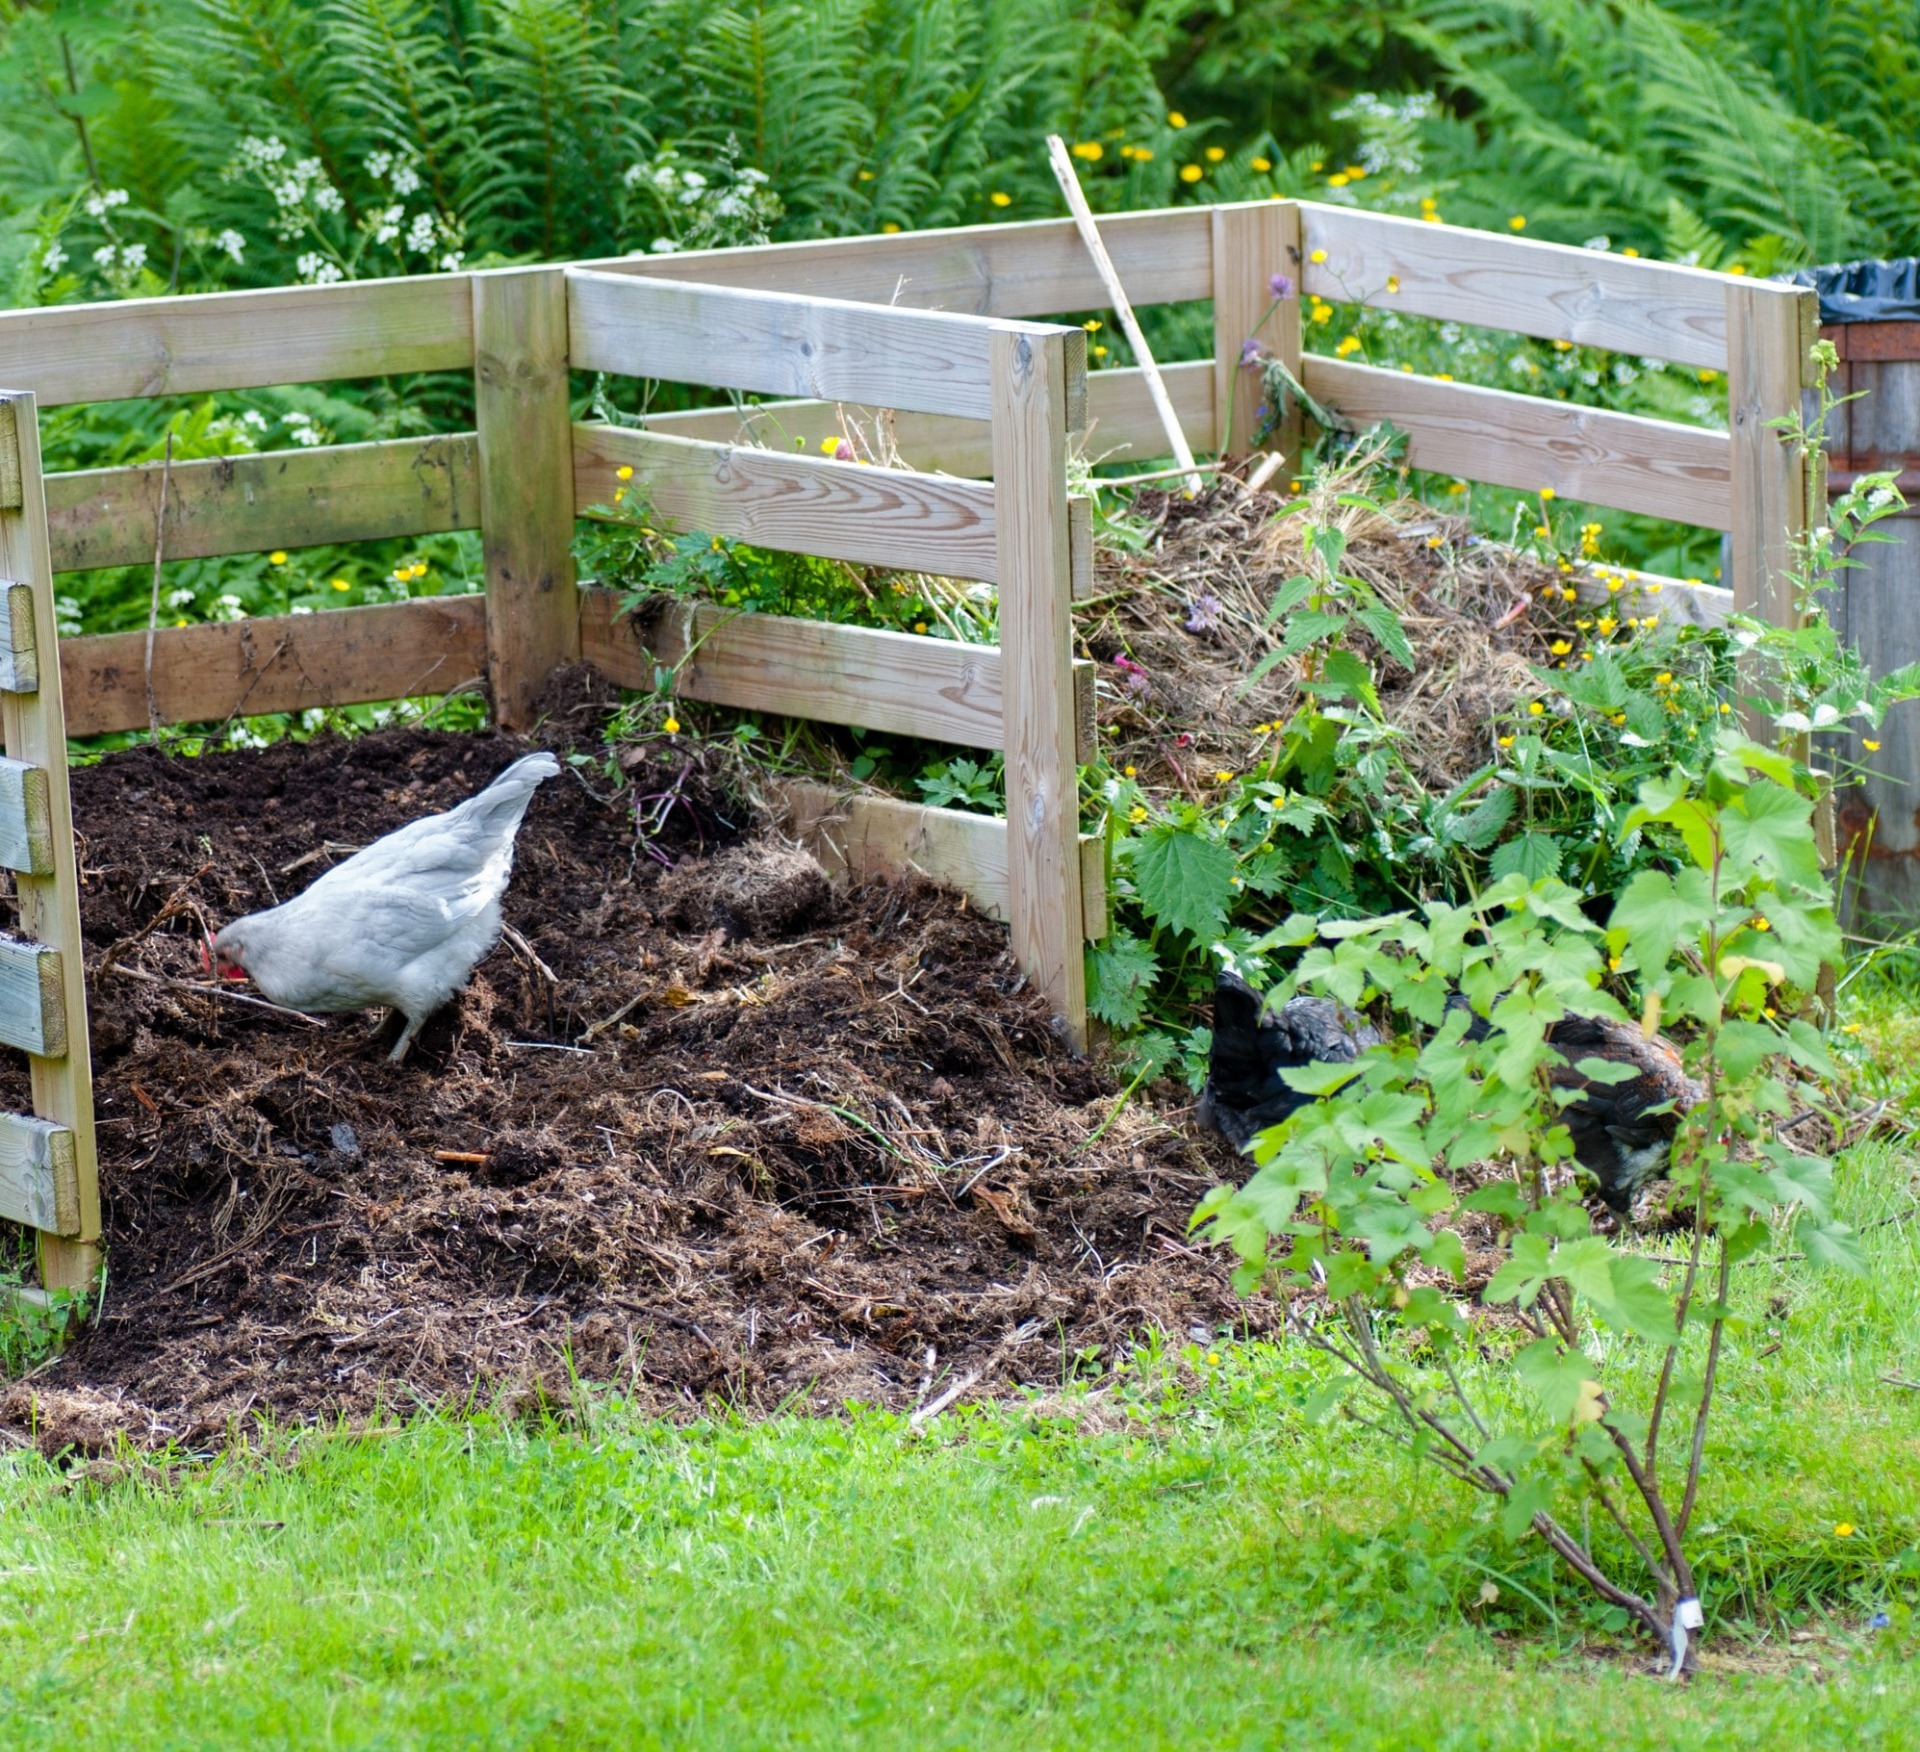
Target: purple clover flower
[
  {"x": 1203, "y": 613},
  {"x": 1250, "y": 353},
  {"x": 1280, "y": 286}
]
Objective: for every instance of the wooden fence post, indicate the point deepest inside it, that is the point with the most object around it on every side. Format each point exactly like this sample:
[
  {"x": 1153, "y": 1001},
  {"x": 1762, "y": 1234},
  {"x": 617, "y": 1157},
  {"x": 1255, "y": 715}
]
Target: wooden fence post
[
  {"x": 1770, "y": 333},
  {"x": 1251, "y": 244},
  {"x": 49, "y": 1175},
  {"x": 526, "y": 483},
  {"x": 1032, "y": 372}
]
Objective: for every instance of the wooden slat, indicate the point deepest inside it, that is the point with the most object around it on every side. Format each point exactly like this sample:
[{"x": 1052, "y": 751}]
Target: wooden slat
[
  {"x": 864, "y": 835},
  {"x": 39, "y": 1177},
  {"x": 878, "y": 680},
  {"x": 526, "y": 484},
  {"x": 1588, "y": 454},
  {"x": 281, "y": 499},
  {"x": 19, "y": 656},
  {"x": 1250, "y": 245},
  {"x": 26, "y": 827},
  {"x": 10, "y": 486},
  {"x": 60, "y": 1070},
  {"x": 33, "y": 1011},
  {"x": 807, "y": 504},
  {"x": 777, "y": 343},
  {"x": 1121, "y": 423},
  {"x": 237, "y": 340},
  {"x": 1552, "y": 290},
  {"x": 284, "y": 663},
  {"x": 1036, "y": 634},
  {"x": 1033, "y": 268}
]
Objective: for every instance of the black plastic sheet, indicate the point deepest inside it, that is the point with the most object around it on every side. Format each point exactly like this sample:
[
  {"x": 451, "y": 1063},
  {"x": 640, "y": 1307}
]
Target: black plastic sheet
[{"x": 1866, "y": 291}]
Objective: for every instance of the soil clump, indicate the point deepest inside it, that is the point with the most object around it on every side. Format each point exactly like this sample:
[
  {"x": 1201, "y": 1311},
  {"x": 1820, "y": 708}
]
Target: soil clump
[{"x": 711, "y": 1130}]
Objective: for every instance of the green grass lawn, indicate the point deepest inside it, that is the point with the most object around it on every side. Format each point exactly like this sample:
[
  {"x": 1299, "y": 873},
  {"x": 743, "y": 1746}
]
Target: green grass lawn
[{"x": 1173, "y": 1557}]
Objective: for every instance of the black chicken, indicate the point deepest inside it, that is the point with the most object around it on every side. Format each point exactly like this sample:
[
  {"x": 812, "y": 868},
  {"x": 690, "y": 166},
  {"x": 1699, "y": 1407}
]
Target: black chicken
[
  {"x": 1616, "y": 1139},
  {"x": 1244, "y": 1092}
]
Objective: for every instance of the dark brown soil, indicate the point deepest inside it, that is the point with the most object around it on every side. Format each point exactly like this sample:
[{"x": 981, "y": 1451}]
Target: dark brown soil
[{"x": 815, "y": 1146}]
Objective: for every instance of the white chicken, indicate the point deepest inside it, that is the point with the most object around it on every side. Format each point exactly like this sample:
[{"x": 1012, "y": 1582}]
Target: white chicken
[{"x": 401, "y": 923}]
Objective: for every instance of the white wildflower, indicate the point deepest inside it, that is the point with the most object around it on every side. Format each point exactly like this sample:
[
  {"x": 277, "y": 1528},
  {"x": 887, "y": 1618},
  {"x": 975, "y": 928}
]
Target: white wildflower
[
  {"x": 179, "y": 599},
  {"x": 406, "y": 180},
  {"x": 232, "y": 242}
]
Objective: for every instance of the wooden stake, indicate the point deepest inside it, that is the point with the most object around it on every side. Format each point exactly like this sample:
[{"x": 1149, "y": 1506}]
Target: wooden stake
[
  {"x": 526, "y": 483},
  {"x": 1069, "y": 181},
  {"x": 35, "y": 725},
  {"x": 1251, "y": 244}
]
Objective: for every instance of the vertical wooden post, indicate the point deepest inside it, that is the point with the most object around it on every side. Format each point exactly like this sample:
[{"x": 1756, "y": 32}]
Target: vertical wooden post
[
  {"x": 1032, "y": 371},
  {"x": 36, "y": 735},
  {"x": 1770, "y": 333},
  {"x": 1251, "y": 244},
  {"x": 526, "y": 483}
]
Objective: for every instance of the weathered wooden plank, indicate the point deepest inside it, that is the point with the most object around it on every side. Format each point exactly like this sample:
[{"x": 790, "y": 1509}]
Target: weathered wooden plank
[
  {"x": 777, "y": 343},
  {"x": 864, "y": 835},
  {"x": 237, "y": 340},
  {"x": 1121, "y": 423},
  {"x": 26, "y": 827},
  {"x": 60, "y": 1070},
  {"x": 1555, "y": 291},
  {"x": 19, "y": 655},
  {"x": 280, "y": 499},
  {"x": 807, "y": 504},
  {"x": 39, "y": 1176},
  {"x": 1590, "y": 454},
  {"x": 1250, "y": 246},
  {"x": 283, "y": 663},
  {"x": 1032, "y": 268},
  {"x": 9, "y": 460},
  {"x": 33, "y": 1011},
  {"x": 879, "y": 680},
  {"x": 526, "y": 484},
  {"x": 1036, "y": 632},
  {"x": 1771, "y": 330}
]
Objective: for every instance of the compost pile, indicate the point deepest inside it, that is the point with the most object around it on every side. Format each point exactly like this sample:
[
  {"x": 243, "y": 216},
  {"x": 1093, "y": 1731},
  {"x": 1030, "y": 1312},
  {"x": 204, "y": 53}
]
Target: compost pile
[{"x": 810, "y": 1146}]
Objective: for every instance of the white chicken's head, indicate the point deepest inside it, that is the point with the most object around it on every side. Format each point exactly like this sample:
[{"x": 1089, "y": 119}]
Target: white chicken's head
[{"x": 224, "y": 955}]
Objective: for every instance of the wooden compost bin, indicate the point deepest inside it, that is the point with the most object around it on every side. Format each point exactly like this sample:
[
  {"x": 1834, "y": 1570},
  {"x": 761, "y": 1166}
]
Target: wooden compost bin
[{"x": 935, "y": 327}]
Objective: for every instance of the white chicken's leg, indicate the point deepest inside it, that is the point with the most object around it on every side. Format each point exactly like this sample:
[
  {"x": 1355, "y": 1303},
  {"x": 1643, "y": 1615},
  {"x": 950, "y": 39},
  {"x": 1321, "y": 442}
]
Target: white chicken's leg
[{"x": 413, "y": 1027}]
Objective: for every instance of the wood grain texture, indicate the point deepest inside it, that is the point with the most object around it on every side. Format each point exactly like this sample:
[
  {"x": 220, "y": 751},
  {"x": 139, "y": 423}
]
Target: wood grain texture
[
  {"x": 1036, "y": 631},
  {"x": 26, "y": 824},
  {"x": 281, "y": 499},
  {"x": 1770, "y": 330},
  {"x": 1588, "y": 297},
  {"x": 9, "y": 459},
  {"x": 1121, "y": 423},
  {"x": 39, "y": 1177},
  {"x": 1036, "y": 268},
  {"x": 33, "y": 1011},
  {"x": 237, "y": 340},
  {"x": 36, "y": 731},
  {"x": 526, "y": 484},
  {"x": 283, "y": 663},
  {"x": 1250, "y": 246},
  {"x": 807, "y": 504},
  {"x": 1590, "y": 454},
  {"x": 777, "y": 343},
  {"x": 19, "y": 655},
  {"x": 891, "y": 682},
  {"x": 864, "y": 835}
]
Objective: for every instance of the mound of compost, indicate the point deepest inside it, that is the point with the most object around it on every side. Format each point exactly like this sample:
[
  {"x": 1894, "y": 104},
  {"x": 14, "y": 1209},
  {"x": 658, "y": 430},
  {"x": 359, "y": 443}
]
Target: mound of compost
[{"x": 710, "y": 1130}]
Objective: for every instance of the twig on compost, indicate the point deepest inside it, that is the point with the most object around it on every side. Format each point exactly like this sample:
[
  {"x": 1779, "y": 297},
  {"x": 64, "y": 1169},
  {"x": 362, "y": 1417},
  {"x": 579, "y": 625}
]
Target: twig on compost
[
  {"x": 619, "y": 1015},
  {"x": 174, "y": 904},
  {"x": 213, "y": 991}
]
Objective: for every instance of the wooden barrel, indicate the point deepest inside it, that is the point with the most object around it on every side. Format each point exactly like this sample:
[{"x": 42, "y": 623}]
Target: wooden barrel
[{"x": 1876, "y": 608}]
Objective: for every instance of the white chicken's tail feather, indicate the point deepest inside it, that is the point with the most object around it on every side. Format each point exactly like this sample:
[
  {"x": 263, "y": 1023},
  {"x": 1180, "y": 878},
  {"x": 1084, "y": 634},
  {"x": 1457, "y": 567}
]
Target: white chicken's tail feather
[{"x": 507, "y": 797}]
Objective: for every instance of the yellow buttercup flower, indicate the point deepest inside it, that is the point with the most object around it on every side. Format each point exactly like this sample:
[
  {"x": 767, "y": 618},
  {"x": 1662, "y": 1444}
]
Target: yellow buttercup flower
[
  {"x": 1393, "y": 282},
  {"x": 624, "y": 471},
  {"x": 277, "y": 558},
  {"x": 1517, "y": 223},
  {"x": 1137, "y": 813},
  {"x": 1868, "y": 743},
  {"x": 1190, "y": 173},
  {"x": 1263, "y": 165},
  {"x": 1091, "y": 150},
  {"x": 1506, "y": 742},
  {"x": 1535, "y": 709},
  {"x": 1560, "y": 647},
  {"x": 1215, "y": 154},
  {"x": 1000, "y": 199},
  {"x": 672, "y": 726},
  {"x": 1338, "y": 180},
  {"x": 1223, "y": 778},
  {"x": 890, "y": 226},
  {"x": 1129, "y": 771},
  {"x": 1348, "y": 346},
  {"x": 1093, "y": 325},
  {"x": 1319, "y": 255},
  {"x": 1175, "y": 119},
  {"x": 1843, "y": 1530},
  {"x": 1547, "y": 495},
  {"x": 341, "y": 584}
]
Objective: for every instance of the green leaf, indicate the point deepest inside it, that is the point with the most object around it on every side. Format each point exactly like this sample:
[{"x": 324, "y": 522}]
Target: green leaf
[
  {"x": 1480, "y": 826},
  {"x": 1288, "y": 597},
  {"x": 1658, "y": 910},
  {"x": 1770, "y": 829},
  {"x": 1385, "y": 626},
  {"x": 1520, "y": 1278},
  {"x": 1120, "y": 978},
  {"x": 1533, "y": 855},
  {"x": 1587, "y": 1267},
  {"x": 1345, "y": 675},
  {"x": 1319, "y": 1079},
  {"x": 1183, "y": 879},
  {"x": 1558, "y": 1379},
  {"x": 1831, "y": 1244},
  {"x": 1599, "y": 1070},
  {"x": 1529, "y": 1497},
  {"x": 1639, "y": 1303}
]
